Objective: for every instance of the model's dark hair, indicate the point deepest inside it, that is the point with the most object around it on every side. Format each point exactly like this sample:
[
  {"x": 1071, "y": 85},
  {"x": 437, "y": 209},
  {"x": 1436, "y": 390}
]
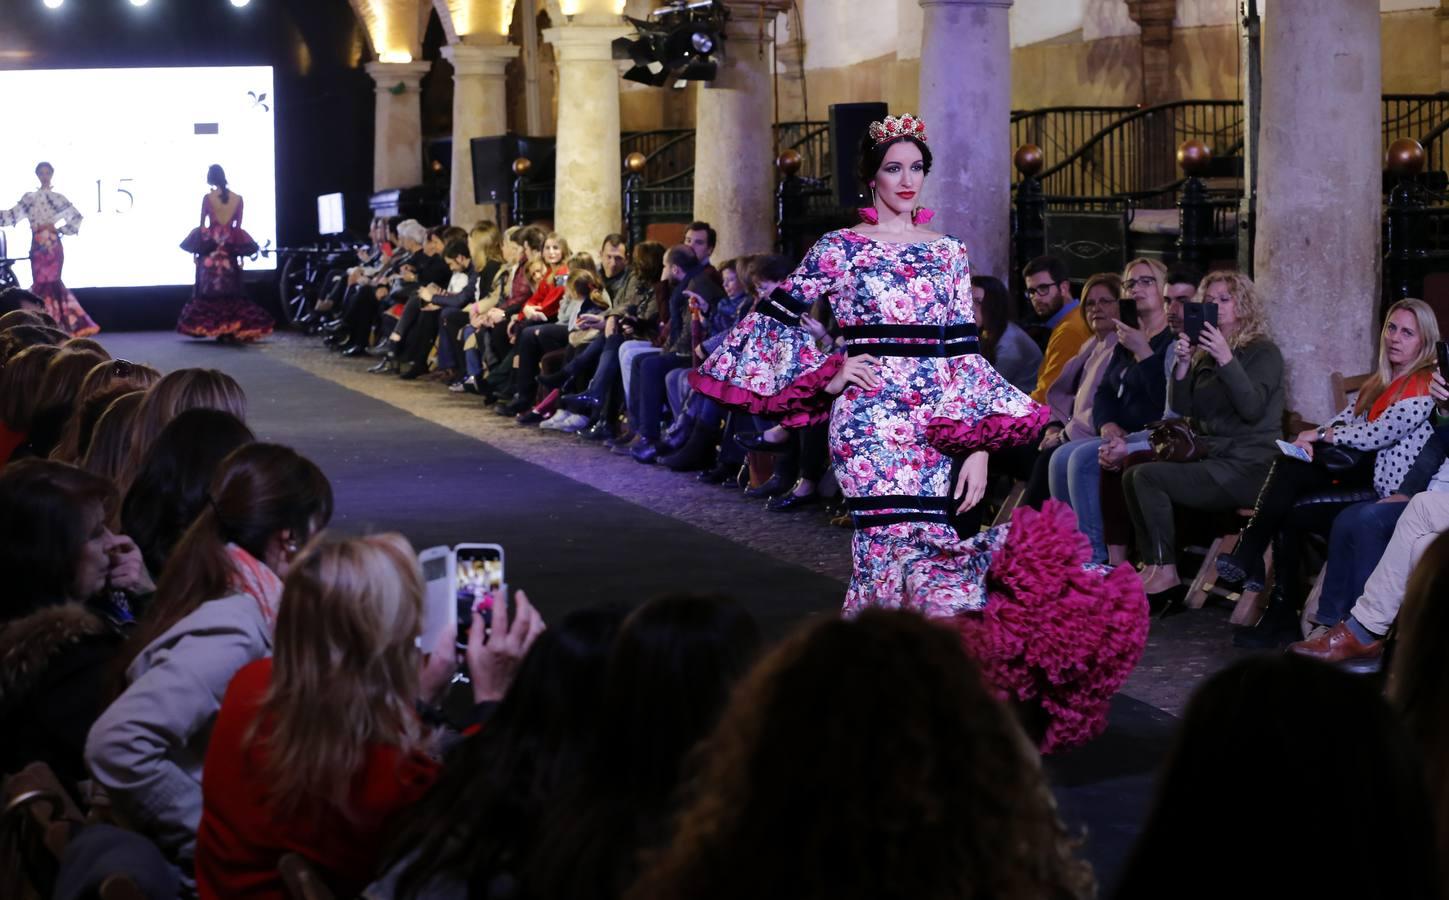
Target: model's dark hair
[
  {"x": 43, "y": 525},
  {"x": 872, "y": 156},
  {"x": 170, "y": 489},
  {"x": 257, "y": 491},
  {"x": 995, "y": 313},
  {"x": 1182, "y": 274},
  {"x": 1049, "y": 264},
  {"x": 1263, "y": 753},
  {"x": 867, "y": 759},
  {"x": 483, "y": 817},
  {"x": 672, "y": 668},
  {"x": 216, "y": 177},
  {"x": 709, "y": 232}
]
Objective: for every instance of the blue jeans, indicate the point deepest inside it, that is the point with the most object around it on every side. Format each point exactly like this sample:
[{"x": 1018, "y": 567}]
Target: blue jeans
[
  {"x": 473, "y": 359},
  {"x": 1075, "y": 476},
  {"x": 1360, "y": 535}
]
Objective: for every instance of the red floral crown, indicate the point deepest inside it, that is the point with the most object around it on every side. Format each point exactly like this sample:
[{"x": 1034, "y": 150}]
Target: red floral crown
[{"x": 891, "y": 127}]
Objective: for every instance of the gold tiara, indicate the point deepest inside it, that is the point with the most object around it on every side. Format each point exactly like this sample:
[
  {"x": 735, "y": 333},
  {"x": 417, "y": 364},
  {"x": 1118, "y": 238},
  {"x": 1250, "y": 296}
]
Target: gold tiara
[{"x": 890, "y": 128}]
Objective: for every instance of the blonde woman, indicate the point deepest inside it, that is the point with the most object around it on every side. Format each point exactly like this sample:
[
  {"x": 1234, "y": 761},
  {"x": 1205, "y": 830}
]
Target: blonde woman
[
  {"x": 317, "y": 747},
  {"x": 1389, "y": 419},
  {"x": 1231, "y": 386},
  {"x": 175, "y": 393}
]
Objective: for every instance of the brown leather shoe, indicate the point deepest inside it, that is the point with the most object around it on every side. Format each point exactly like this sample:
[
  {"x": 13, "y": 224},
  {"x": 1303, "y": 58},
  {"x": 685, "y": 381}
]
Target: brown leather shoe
[{"x": 1336, "y": 645}]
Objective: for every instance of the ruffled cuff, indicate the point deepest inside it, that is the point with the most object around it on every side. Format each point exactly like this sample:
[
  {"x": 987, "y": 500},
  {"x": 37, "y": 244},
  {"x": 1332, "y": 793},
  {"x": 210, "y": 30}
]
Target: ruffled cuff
[
  {"x": 801, "y": 402},
  {"x": 991, "y": 433}
]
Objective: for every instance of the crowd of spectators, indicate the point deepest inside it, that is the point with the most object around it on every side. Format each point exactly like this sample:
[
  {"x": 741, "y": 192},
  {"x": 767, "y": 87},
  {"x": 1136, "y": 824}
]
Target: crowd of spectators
[{"x": 223, "y": 682}]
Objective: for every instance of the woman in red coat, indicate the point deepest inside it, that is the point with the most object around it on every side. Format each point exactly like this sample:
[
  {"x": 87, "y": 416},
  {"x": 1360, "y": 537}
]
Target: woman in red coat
[{"x": 317, "y": 749}]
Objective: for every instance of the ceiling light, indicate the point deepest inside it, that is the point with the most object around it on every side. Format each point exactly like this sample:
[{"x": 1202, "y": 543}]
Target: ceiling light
[
  {"x": 240, "y": 3},
  {"x": 53, "y": 4},
  {"x": 139, "y": 2}
]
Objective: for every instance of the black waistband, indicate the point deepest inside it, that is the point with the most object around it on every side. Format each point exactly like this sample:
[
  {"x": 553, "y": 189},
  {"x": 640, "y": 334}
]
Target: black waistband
[
  {"x": 909, "y": 332},
  {"x": 940, "y": 341},
  {"x": 897, "y": 501},
  {"x": 876, "y": 520}
]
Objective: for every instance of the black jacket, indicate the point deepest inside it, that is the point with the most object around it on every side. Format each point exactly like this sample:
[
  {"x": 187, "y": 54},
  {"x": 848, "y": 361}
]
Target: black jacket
[{"x": 1134, "y": 393}]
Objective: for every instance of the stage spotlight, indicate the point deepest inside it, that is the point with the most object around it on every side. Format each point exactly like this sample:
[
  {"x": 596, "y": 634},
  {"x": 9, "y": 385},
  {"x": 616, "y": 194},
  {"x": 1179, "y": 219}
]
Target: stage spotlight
[
  {"x": 679, "y": 43},
  {"x": 53, "y": 4},
  {"x": 240, "y": 3},
  {"x": 139, "y": 2}
]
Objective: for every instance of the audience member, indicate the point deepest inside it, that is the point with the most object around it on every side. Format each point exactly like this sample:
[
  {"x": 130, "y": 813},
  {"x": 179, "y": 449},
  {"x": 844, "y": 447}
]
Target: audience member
[
  {"x": 1230, "y": 387},
  {"x": 473, "y": 832},
  {"x": 171, "y": 489},
  {"x": 214, "y": 611},
  {"x": 671, "y": 670},
  {"x": 1003, "y": 342},
  {"x": 1389, "y": 416},
  {"x": 318, "y": 746},
  {"x": 175, "y": 393},
  {"x": 1263, "y": 754},
  {"x": 111, "y": 378},
  {"x": 1419, "y": 684},
  {"x": 866, "y": 758},
  {"x": 56, "y": 399},
  {"x": 20, "y": 381},
  {"x": 60, "y": 622},
  {"x": 109, "y": 450},
  {"x": 1180, "y": 286},
  {"x": 1050, "y": 293}
]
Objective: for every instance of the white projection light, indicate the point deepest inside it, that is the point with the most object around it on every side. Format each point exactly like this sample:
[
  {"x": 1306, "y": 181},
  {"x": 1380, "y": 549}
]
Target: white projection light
[
  {"x": 131, "y": 154},
  {"x": 240, "y": 3},
  {"x": 139, "y": 2},
  {"x": 53, "y": 4}
]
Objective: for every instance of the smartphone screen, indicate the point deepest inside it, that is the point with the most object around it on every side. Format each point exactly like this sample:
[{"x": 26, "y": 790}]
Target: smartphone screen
[
  {"x": 1443, "y": 348},
  {"x": 438, "y": 604},
  {"x": 478, "y": 576},
  {"x": 1127, "y": 312}
]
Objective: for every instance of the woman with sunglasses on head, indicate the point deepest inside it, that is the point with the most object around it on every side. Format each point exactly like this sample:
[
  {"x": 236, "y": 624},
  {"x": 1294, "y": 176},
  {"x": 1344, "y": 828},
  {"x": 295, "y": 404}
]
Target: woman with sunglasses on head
[{"x": 913, "y": 411}]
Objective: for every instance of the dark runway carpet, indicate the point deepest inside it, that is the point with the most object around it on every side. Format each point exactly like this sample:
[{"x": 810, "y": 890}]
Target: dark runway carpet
[{"x": 569, "y": 545}]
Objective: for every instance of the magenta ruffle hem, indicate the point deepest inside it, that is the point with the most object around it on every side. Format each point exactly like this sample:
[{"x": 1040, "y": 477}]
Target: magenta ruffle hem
[{"x": 1056, "y": 634}]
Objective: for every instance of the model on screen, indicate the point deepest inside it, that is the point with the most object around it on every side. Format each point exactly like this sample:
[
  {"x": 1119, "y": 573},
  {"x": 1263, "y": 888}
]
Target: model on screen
[
  {"x": 219, "y": 307},
  {"x": 45, "y": 209}
]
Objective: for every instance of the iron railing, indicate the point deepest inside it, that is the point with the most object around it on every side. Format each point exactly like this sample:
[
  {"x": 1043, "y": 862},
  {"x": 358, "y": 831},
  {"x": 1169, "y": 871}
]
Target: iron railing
[{"x": 1060, "y": 130}]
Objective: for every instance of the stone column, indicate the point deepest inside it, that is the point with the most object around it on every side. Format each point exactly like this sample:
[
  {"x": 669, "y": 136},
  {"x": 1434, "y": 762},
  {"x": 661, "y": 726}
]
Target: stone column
[
  {"x": 1155, "y": 18},
  {"x": 966, "y": 103},
  {"x": 734, "y": 174},
  {"x": 1443, "y": 21},
  {"x": 1319, "y": 192},
  {"x": 480, "y": 109},
  {"x": 588, "y": 201},
  {"x": 397, "y": 143}
]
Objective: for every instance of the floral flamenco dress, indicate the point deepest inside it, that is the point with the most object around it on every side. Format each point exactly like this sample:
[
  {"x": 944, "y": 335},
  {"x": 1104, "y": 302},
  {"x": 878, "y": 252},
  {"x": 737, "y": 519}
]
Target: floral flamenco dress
[
  {"x": 44, "y": 208},
  {"x": 218, "y": 307},
  {"x": 1051, "y": 631}
]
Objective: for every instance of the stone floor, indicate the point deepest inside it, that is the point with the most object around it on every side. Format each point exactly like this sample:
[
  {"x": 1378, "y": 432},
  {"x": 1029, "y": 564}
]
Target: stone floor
[{"x": 1182, "y": 649}]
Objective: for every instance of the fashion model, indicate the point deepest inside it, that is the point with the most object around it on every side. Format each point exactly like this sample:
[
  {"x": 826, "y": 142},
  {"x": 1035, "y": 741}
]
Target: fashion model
[
  {"x": 45, "y": 209},
  {"x": 914, "y": 410},
  {"x": 218, "y": 307}
]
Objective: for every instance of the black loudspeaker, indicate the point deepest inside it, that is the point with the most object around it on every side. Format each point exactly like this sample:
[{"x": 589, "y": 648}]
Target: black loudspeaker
[
  {"x": 848, "y": 121},
  {"x": 493, "y": 164}
]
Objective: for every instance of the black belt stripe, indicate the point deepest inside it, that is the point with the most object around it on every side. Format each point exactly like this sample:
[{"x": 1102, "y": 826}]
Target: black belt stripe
[
  {"x": 875, "y": 521},
  {"x": 906, "y": 332},
  {"x": 962, "y": 348},
  {"x": 897, "y": 501}
]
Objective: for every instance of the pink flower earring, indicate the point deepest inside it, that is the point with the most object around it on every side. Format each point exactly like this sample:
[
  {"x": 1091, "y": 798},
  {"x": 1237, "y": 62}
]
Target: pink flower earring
[
  {"x": 922, "y": 214},
  {"x": 869, "y": 214}
]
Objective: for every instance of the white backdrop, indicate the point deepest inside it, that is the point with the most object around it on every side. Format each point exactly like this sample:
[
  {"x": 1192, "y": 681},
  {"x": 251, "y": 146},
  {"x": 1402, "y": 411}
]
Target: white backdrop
[{"x": 130, "y": 149}]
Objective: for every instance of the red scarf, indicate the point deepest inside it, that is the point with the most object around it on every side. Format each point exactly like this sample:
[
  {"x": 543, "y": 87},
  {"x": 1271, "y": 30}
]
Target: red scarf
[
  {"x": 1414, "y": 384},
  {"x": 251, "y": 576}
]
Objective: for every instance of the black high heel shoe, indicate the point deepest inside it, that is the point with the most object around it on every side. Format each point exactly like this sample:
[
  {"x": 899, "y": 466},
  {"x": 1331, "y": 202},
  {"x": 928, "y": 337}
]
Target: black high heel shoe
[
  {"x": 772, "y": 487},
  {"x": 755, "y": 440}
]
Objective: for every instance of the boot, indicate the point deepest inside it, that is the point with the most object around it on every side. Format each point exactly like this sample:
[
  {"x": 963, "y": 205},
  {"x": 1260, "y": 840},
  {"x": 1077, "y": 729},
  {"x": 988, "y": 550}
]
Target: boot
[
  {"x": 1277, "y": 629},
  {"x": 695, "y": 452}
]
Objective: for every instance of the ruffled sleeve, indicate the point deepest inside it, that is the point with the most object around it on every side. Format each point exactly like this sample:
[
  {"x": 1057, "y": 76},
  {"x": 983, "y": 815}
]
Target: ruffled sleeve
[
  {"x": 768, "y": 366},
  {"x": 979, "y": 410}
]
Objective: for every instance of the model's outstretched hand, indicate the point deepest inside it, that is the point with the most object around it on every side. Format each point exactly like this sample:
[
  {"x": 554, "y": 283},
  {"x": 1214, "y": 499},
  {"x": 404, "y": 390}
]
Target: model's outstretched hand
[
  {"x": 860, "y": 371},
  {"x": 971, "y": 483}
]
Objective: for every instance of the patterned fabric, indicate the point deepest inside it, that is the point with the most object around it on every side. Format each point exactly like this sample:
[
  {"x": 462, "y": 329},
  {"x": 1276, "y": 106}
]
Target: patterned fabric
[
  {"x": 251, "y": 576},
  {"x": 893, "y": 450},
  {"x": 1396, "y": 426},
  {"x": 43, "y": 209},
  {"x": 218, "y": 305}
]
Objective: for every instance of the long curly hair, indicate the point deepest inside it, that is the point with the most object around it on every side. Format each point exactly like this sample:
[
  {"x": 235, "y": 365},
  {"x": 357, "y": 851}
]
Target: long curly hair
[
  {"x": 1252, "y": 319},
  {"x": 867, "y": 759}
]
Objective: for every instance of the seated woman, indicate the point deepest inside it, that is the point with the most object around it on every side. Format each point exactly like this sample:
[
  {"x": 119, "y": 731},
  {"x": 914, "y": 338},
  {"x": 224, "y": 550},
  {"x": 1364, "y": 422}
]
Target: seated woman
[
  {"x": 316, "y": 748},
  {"x": 807, "y": 785},
  {"x": 175, "y": 393},
  {"x": 1230, "y": 386},
  {"x": 214, "y": 611},
  {"x": 492, "y": 259},
  {"x": 484, "y": 816},
  {"x": 108, "y": 451},
  {"x": 19, "y": 387},
  {"x": 474, "y": 334},
  {"x": 1292, "y": 757},
  {"x": 67, "y": 580},
  {"x": 1003, "y": 342},
  {"x": 170, "y": 490},
  {"x": 1390, "y": 416},
  {"x": 1071, "y": 396},
  {"x": 56, "y": 399},
  {"x": 110, "y": 377},
  {"x": 1133, "y": 393}
]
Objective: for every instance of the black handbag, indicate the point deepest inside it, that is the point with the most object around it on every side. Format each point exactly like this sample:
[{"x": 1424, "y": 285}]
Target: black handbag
[
  {"x": 1173, "y": 440},
  {"x": 1338, "y": 458}
]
